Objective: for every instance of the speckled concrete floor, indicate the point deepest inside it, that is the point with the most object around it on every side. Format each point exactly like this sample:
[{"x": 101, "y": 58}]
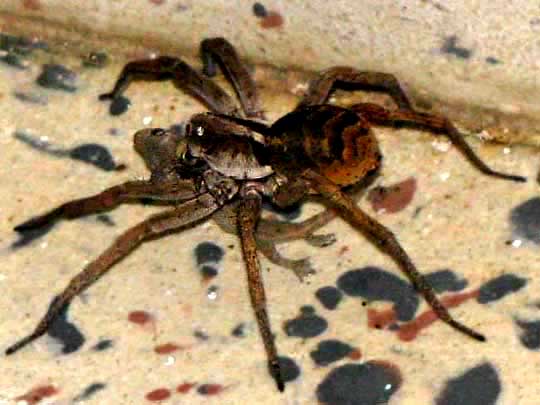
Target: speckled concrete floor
[{"x": 163, "y": 328}]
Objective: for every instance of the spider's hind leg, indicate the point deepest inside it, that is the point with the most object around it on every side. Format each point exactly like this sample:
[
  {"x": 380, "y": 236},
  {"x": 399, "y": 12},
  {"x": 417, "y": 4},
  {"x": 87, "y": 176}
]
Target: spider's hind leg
[
  {"x": 386, "y": 242},
  {"x": 378, "y": 115}
]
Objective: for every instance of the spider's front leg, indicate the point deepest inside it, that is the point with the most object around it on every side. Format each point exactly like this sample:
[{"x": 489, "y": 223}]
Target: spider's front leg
[
  {"x": 158, "y": 149},
  {"x": 249, "y": 212},
  {"x": 157, "y": 225},
  {"x": 219, "y": 51},
  {"x": 214, "y": 51},
  {"x": 182, "y": 75},
  {"x": 387, "y": 242},
  {"x": 110, "y": 198}
]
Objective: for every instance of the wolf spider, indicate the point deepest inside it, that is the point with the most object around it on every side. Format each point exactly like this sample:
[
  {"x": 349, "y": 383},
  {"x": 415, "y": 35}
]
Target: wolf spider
[{"x": 229, "y": 160}]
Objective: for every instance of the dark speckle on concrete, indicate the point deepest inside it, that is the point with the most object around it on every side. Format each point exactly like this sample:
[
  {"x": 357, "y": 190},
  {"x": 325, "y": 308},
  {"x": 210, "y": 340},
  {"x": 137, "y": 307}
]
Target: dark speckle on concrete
[
  {"x": 479, "y": 385},
  {"x": 530, "y": 335},
  {"x": 14, "y": 60},
  {"x": 15, "y": 48},
  {"x": 372, "y": 283},
  {"x": 208, "y": 252},
  {"x": 329, "y": 297},
  {"x": 91, "y": 153},
  {"x": 105, "y": 219},
  {"x": 66, "y": 332},
  {"x": 239, "y": 330},
  {"x": 119, "y": 105},
  {"x": 289, "y": 369},
  {"x": 208, "y": 255},
  {"x": 259, "y": 10},
  {"x": 209, "y": 271},
  {"x": 307, "y": 325},
  {"x": 38, "y": 144},
  {"x": 492, "y": 60},
  {"x": 31, "y": 98},
  {"x": 201, "y": 335},
  {"x": 102, "y": 345},
  {"x": 445, "y": 280},
  {"x": 57, "y": 77},
  {"x": 90, "y": 391},
  {"x": 329, "y": 351},
  {"x": 369, "y": 383},
  {"x": 96, "y": 155},
  {"x": 525, "y": 220},
  {"x": 114, "y": 132},
  {"x": 499, "y": 287},
  {"x": 19, "y": 45},
  {"x": 450, "y": 46},
  {"x": 210, "y": 389}
]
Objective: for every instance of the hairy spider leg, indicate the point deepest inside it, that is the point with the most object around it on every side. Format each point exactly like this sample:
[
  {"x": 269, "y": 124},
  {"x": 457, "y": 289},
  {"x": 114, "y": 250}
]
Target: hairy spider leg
[
  {"x": 249, "y": 212},
  {"x": 219, "y": 51},
  {"x": 280, "y": 231},
  {"x": 350, "y": 78},
  {"x": 378, "y": 115},
  {"x": 155, "y": 226},
  {"x": 270, "y": 232},
  {"x": 182, "y": 75},
  {"x": 110, "y": 198},
  {"x": 386, "y": 242},
  {"x": 200, "y": 86}
]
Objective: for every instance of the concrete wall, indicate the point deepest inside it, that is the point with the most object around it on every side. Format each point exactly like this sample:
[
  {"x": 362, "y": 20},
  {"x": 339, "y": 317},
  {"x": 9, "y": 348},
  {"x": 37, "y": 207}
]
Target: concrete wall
[{"x": 475, "y": 53}]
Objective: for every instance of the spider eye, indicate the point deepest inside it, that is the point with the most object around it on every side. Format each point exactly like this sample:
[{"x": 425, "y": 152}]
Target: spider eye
[
  {"x": 184, "y": 154},
  {"x": 188, "y": 158},
  {"x": 157, "y": 132}
]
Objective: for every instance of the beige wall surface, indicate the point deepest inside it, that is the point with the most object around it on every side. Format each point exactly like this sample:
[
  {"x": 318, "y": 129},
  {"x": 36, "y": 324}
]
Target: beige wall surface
[{"x": 479, "y": 52}]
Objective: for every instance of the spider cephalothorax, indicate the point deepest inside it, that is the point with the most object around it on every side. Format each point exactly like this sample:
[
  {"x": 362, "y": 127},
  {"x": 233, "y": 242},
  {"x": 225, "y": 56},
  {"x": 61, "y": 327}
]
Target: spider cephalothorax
[{"x": 226, "y": 163}]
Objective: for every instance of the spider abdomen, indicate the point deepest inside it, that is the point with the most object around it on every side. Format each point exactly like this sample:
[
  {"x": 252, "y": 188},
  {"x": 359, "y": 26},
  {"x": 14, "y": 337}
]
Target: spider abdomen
[{"x": 337, "y": 141}]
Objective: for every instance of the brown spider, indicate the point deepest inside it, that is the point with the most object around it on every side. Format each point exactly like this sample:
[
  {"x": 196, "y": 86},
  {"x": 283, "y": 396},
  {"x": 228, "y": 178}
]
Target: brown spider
[{"x": 227, "y": 162}]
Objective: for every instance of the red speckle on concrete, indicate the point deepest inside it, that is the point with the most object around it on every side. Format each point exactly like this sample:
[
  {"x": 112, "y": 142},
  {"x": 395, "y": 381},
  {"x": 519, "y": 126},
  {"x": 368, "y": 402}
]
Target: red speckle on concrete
[
  {"x": 355, "y": 354},
  {"x": 184, "y": 388},
  {"x": 159, "y": 394},
  {"x": 140, "y": 317},
  {"x": 210, "y": 389},
  {"x": 393, "y": 198},
  {"x": 32, "y": 4},
  {"x": 381, "y": 319},
  {"x": 157, "y": 2},
  {"x": 167, "y": 348},
  {"x": 35, "y": 395},
  {"x": 272, "y": 20},
  {"x": 410, "y": 330}
]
